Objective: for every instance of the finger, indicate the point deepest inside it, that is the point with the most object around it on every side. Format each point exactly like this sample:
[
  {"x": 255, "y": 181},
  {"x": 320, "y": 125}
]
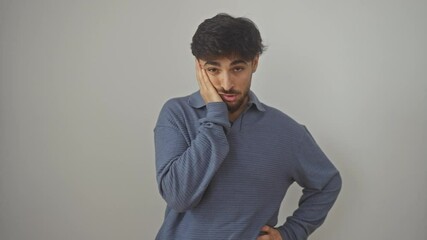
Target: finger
[
  {"x": 266, "y": 228},
  {"x": 205, "y": 82},
  {"x": 264, "y": 233},
  {"x": 271, "y": 233},
  {"x": 198, "y": 73},
  {"x": 264, "y": 237},
  {"x": 204, "y": 77}
]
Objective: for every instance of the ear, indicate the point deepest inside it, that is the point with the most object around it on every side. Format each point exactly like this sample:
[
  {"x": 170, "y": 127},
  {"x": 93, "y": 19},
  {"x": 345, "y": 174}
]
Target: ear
[{"x": 255, "y": 63}]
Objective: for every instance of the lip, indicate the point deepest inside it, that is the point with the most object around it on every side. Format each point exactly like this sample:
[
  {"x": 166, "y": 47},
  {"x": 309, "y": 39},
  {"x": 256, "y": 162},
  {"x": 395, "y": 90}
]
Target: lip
[{"x": 229, "y": 97}]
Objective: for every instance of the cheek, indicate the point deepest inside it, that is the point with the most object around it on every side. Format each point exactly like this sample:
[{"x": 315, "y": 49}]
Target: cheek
[
  {"x": 245, "y": 81},
  {"x": 215, "y": 82}
]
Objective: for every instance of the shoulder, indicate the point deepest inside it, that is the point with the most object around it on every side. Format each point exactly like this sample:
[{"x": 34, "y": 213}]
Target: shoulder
[
  {"x": 284, "y": 123},
  {"x": 191, "y": 101},
  {"x": 176, "y": 104},
  {"x": 277, "y": 115},
  {"x": 176, "y": 101},
  {"x": 176, "y": 110}
]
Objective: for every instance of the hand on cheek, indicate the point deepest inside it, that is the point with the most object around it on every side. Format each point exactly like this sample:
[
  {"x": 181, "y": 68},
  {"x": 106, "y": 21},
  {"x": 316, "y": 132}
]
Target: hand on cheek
[{"x": 207, "y": 90}]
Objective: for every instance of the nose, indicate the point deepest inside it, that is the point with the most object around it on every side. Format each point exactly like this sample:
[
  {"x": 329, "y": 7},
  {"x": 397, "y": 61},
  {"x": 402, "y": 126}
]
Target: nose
[{"x": 226, "y": 81}]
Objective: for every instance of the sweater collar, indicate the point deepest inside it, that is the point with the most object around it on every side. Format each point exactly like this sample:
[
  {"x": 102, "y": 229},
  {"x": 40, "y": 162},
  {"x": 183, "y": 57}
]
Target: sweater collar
[{"x": 196, "y": 101}]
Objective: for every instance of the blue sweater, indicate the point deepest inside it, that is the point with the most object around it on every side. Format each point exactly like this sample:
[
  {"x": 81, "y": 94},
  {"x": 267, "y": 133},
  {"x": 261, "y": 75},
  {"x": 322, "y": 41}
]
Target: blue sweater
[{"x": 225, "y": 181}]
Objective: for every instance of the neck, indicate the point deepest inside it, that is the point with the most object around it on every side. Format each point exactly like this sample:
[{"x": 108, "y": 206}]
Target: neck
[{"x": 232, "y": 116}]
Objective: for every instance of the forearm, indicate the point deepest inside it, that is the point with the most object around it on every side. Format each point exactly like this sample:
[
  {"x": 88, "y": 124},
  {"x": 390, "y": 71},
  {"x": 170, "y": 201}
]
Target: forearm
[
  {"x": 314, "y": 206},
  {"x": 184, "y": 170}
]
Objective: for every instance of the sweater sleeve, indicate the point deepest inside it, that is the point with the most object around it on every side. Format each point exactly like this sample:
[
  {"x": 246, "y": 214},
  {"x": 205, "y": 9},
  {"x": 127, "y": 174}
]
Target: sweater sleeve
[
  {"x": 321, "y": 183},
  {"x": 185, "y": 168}
]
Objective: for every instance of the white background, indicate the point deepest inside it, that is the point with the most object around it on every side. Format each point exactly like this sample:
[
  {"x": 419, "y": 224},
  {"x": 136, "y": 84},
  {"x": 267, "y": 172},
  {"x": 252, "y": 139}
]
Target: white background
[{"x": 82, "y": 82}]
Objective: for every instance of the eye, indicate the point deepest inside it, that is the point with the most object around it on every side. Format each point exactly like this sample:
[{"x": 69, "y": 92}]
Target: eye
[
  {"x": 212, "y": 70},
  {"x": 238, "y": 69}
]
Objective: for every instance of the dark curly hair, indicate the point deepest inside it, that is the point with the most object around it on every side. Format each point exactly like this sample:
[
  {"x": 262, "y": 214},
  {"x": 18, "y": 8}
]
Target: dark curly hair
[{"x": 224, "y": 36}]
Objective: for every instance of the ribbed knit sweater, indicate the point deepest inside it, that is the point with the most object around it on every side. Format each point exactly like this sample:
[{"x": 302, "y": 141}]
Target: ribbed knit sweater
[{"x": 225, "y": 181}]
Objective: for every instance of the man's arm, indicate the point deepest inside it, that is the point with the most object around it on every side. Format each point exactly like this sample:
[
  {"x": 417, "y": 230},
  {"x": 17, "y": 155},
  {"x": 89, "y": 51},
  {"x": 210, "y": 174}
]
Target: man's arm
[
  {"x": 321, "y": 184},
  {"x": 185, "y": 169}
]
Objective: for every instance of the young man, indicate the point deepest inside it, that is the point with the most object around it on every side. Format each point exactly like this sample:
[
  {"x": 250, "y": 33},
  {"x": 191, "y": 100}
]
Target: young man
[{"x": 225, "y": 160}]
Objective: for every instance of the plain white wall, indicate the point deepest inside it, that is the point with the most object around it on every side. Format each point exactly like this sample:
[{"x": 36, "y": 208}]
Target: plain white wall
[{"x": 82, "y": 82}]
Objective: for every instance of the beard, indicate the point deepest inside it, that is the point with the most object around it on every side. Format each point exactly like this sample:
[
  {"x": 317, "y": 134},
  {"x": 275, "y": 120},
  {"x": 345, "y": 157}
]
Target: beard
[{"x": 233, "y": 107}]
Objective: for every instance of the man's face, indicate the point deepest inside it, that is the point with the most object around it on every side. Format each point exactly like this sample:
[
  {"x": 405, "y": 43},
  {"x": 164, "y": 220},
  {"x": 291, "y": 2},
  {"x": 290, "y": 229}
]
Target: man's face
[{"x": 231, "y": 76}]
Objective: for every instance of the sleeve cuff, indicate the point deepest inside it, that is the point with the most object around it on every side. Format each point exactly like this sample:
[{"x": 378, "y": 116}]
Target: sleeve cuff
[{"x": 217, "y": 113}]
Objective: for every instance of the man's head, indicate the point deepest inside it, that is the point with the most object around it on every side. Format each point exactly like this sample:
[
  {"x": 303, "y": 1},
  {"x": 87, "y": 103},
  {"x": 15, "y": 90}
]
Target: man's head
[
  {"x": 228, "y": 49},
  {"x": 226, "y": 36}
]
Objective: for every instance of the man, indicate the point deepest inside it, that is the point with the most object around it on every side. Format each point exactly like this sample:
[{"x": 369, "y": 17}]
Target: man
[{"x": 225, "y": 160}]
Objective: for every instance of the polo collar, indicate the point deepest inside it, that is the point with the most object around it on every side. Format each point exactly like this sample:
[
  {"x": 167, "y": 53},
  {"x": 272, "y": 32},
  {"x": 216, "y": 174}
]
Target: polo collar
[
  {"x": 253, "y": 100},
  {"x": 196, "y": 101}
]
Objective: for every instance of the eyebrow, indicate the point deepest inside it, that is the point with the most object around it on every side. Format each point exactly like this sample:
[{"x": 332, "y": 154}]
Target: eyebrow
[{"x": 235, "y": 62}]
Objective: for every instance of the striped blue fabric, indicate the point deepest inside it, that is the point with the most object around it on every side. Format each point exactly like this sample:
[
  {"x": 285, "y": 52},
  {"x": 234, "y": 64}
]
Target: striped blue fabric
[{"x": 225, "y": 181}]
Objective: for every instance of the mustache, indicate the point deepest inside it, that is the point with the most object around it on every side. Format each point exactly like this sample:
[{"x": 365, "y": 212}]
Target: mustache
[{"x": 231, "y": 91}]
